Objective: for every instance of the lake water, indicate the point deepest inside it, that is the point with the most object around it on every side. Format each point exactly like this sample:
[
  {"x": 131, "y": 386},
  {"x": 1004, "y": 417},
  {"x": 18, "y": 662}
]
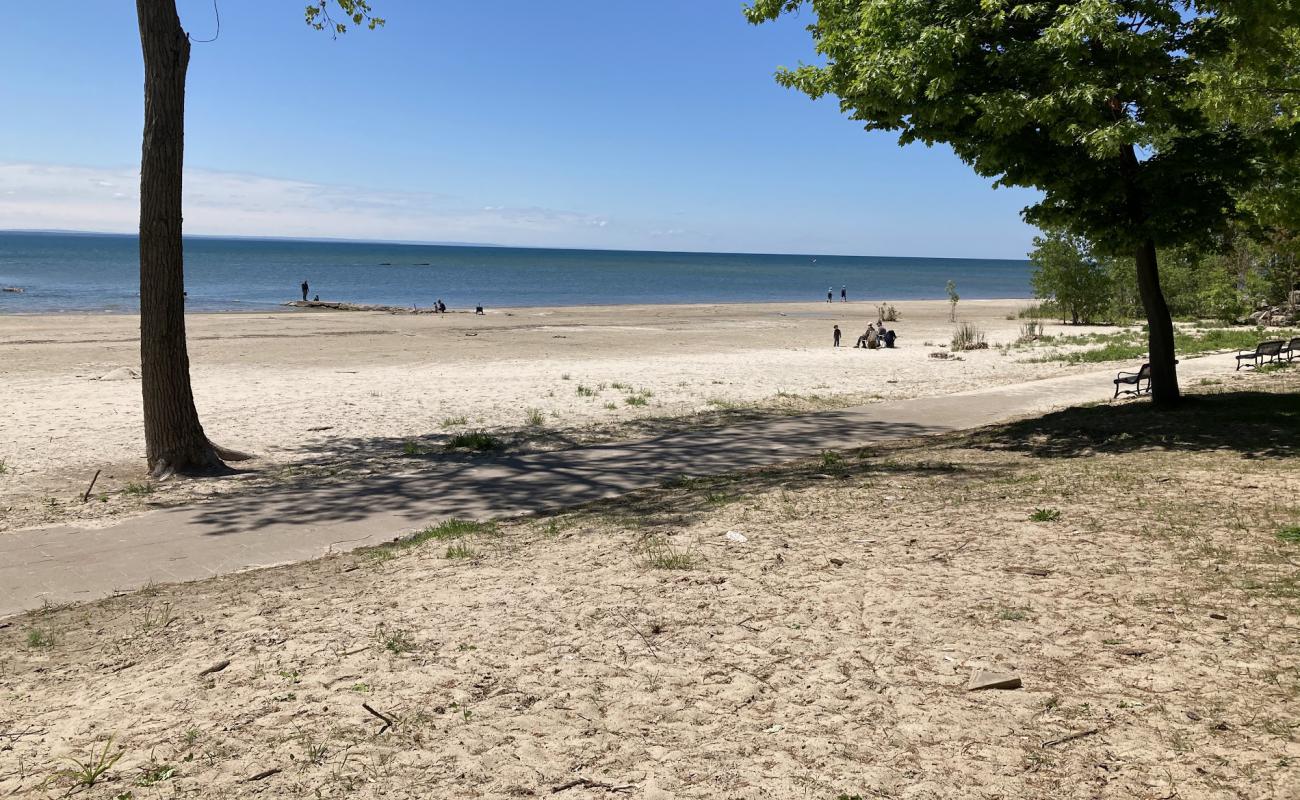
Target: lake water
[{"x": 82, "y": 273}]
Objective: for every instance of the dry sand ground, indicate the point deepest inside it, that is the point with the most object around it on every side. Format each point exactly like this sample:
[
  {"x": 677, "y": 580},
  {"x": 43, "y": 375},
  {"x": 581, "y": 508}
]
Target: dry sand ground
[
  {"x": 346, "y": 391},
  {"x": 631, "y": 648}
]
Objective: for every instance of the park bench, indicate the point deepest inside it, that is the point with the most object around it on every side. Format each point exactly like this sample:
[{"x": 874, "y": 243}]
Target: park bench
[
  {"x": 1264, "y": 353},
  {"x": 1140, "y": 381},
  {"x": 1292, "y": 349}
]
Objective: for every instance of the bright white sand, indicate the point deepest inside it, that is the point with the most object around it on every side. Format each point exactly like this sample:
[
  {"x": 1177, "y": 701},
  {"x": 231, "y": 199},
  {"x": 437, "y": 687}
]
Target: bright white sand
[{"x": 309, "y": 386}]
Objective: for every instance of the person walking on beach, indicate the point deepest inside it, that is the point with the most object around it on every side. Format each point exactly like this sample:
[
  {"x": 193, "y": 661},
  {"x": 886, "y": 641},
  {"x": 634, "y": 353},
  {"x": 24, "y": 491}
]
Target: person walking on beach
[
  {"x": 830, "y": 294},
  {"x": 305, "y": 287},
  {"x": 837, "y": 336},
  {"x": 844, "y": 294}
]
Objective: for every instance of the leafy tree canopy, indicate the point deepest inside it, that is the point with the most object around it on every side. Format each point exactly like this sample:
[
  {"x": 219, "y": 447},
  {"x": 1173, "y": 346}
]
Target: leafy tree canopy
[
  {"x": 1050, "y": 94},
  {"x": 358, "y": 11}
]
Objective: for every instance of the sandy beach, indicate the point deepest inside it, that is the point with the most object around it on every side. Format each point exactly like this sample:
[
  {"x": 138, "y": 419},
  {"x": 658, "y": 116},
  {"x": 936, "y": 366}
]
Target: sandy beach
[{"x": 328, "y": 388}]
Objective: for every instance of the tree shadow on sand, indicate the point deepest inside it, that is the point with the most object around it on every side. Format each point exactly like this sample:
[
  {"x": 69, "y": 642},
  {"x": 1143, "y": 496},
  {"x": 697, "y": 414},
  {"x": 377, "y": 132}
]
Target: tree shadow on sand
[
  {"x": 488, "y": 485},
  {"x": 1254, "y": 424}
]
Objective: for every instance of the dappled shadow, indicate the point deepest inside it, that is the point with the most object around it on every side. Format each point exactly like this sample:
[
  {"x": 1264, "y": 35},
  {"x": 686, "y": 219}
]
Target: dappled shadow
[
  {"x": 1255, "y": 424},
  {"x": 480, "y": 486}
]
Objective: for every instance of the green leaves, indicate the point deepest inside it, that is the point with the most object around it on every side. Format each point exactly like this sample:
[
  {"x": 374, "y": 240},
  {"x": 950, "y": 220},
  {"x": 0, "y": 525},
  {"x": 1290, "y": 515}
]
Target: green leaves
[
  {"x": 358, "y": 11},
  {"x": 1052, "y": 94}
]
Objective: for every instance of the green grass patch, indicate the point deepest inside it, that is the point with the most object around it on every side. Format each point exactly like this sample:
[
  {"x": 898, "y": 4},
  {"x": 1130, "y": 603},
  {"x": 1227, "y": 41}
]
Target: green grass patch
[
  {"x": 586, "y": 391},
  {"x": 137, "y": 489},
  {"x": 635, "y": 400},
  {"x": 1290, "y": 535},
  {"x": 454, "y": 422},
  {"x": 1132, "y": 345},
  {"x": 1045, "y": 515},
  {"x": 478, "y": 441},
  {"x": 534, "y": 418},
  {"x": 447, "y": 531},
  {"x": 460, "y": 550}
]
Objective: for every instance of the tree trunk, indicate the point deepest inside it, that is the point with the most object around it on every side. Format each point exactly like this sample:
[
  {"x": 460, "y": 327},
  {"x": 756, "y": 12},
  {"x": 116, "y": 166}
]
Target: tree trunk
[
  {"x": 174, "y": 439},
  {"x": 1160, "y": 326}
]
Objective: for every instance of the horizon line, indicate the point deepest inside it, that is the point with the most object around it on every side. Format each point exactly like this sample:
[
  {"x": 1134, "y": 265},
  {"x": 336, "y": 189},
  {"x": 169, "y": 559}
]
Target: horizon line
[{"x": 486, "y": 245}]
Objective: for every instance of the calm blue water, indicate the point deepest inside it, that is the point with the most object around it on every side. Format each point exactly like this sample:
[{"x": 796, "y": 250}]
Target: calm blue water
[{"x": 70, "y": 272}]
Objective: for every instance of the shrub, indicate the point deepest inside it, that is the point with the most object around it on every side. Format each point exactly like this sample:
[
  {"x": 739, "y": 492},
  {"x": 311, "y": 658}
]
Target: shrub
[{"x": 968, "y": 337}]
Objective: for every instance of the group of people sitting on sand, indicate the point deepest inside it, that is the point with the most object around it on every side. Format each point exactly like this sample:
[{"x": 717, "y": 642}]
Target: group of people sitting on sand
[{"x": 875, "y": 337}]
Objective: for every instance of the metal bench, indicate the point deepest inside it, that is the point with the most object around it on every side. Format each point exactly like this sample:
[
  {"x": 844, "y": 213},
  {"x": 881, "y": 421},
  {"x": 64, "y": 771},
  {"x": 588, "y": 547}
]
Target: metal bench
[
  {"x": 1140, "y": 381},
  {"x": 1292, "y": 349},
  {"x": 1264, "y": 353}
]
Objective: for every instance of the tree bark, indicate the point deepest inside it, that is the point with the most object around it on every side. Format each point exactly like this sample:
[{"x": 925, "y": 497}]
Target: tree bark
[
  {"x": 1160, "y": 326},
  {"x": 174, "y": 439}
]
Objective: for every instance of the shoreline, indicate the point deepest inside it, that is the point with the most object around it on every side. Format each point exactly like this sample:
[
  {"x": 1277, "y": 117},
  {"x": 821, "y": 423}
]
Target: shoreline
[{"x": 288, "y": 307}]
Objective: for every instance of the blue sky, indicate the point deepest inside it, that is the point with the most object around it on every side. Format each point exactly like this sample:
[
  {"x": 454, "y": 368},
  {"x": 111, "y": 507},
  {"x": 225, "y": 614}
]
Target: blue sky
[{"x": 583, "y": 123}]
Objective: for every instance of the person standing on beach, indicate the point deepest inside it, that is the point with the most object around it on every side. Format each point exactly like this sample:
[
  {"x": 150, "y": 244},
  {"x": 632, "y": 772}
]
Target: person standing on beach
[
  {"x": 844, "y": 294},
  {"x": 304, "y": 291},
  {"x": 837, "y": 336},
  {"x": 830, "y": 294}
]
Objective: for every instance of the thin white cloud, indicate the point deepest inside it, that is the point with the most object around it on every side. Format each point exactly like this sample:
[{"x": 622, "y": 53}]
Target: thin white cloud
[{"x": 42, "y": 196}]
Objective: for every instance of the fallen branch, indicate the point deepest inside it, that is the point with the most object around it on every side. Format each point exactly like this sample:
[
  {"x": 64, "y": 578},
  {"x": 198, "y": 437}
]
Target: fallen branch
[
  {"x": 388, "y": 721},
  {"x": 215, "y": 668},
  {"x": 588, "y": 783},
  {"x": 266, "y": 773},
  {"x": 85, "y": 498},
  {"x": 1071, "y": 737}
]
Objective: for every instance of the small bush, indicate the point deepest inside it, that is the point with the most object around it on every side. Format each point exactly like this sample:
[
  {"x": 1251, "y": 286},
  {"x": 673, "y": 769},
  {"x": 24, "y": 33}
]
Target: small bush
[
  {"x": 886, "y": 312},
  {"x": 612, "y": 406},
  {"x": 1030, "y": 331},
  {"x": 39, "y": 638},
  {"x": 455, "y": 422},
  {"x": 635, "y": 400},
  {"x": 968, "y": 337},
  {"x": 1045, "y": 515},
  {"x": 586, "y": 391},
  {"x": 474, "y": 440},
  {"x": 534, "y": 418}
]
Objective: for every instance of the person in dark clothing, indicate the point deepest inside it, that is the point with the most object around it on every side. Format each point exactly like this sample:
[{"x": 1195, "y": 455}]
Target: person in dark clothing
[
  {"x": 889, "y": 338},
  {"x": 844, "y": 294},
  {"x": 478, "y": 309},
  {"x": 837, "y": 336},
  {"x": 304, "y": 291}
]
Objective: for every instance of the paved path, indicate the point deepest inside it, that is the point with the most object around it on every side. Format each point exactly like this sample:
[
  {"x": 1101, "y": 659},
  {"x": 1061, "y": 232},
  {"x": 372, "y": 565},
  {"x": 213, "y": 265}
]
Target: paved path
[{"x": 279, "y": 525}]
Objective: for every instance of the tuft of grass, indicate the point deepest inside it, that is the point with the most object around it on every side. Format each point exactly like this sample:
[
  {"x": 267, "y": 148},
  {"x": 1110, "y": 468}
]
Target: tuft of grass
[
  {"x": 1290, "y": 535},
  {"x": 968, "y": 337},
  {"x": 660, "y": 553},
  {"x": 619, "y": 386},
  {"x": 534, "y": 418},
  {"x": 448, "y": 530},
  {"x": 39, "y": 639},
  {"x": 411, "y": 448},
  {"x": 4, "y": 466},
  {"x": 137, "y": 489},
  {"x": 394, "y": 640},
  {"x": 635, "y": 400},
  {"x": 460, "y": 550},
  {"x": 155, "y": 773},
  {"x": 566, "y": 376},
  {"x": 87, "y": 773},
  {"x": 586, "y": 391},
  {"x": 454, "y": 422},
  {"x": 155, "y": 617},
  {"x": 477, "y": 441},
  {"x": 832, "y": 460},
  {"x": 1045, "y": 515},
  {"x": 1030, "y": 331},
  {"x": 611, "y": 406},
  {"x": 1013, "y": 614}
]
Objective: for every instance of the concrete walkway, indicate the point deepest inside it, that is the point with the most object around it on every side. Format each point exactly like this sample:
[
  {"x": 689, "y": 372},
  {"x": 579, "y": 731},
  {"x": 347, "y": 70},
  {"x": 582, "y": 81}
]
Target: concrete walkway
[{"x": 279, "y": 525}]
